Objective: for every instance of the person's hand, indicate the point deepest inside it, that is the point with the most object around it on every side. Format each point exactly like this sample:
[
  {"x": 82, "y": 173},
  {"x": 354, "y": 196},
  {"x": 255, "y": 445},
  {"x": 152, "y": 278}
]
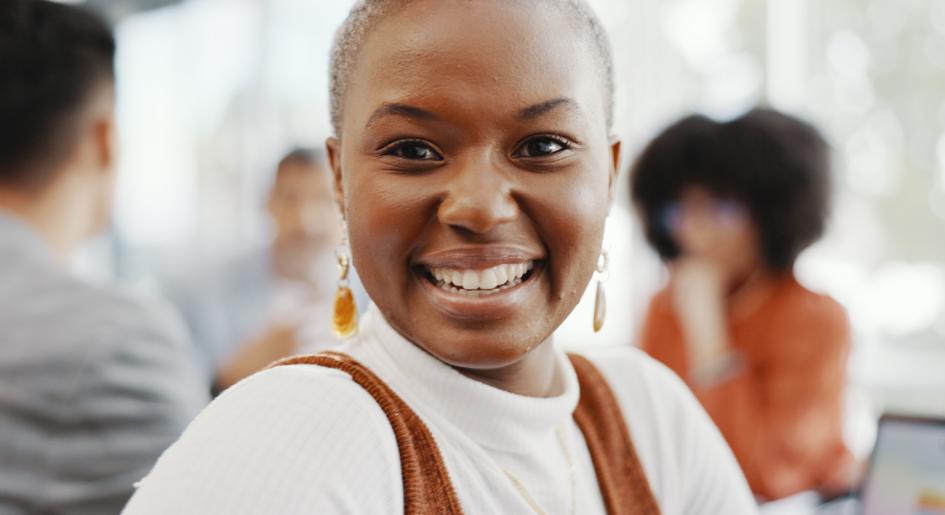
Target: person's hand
[
  {"x": 276, "y": 342},
  {"x": 698, "y": 291},
  {"x": 696, "y": 282}
]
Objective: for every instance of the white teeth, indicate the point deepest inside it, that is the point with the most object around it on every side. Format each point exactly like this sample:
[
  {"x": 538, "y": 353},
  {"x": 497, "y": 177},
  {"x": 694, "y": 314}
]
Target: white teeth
[
  {"x": 501, "y": 274},
  {"x": 498, "y": 277},
  {"x": 488, "y": 280},
  {"x": 470, "y": 280}
]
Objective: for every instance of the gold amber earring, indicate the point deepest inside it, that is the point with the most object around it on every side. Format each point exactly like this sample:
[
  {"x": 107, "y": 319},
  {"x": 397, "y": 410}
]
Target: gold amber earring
[
  {"x": 344, "y": 317},
  {"x": 600, "y": 300}
]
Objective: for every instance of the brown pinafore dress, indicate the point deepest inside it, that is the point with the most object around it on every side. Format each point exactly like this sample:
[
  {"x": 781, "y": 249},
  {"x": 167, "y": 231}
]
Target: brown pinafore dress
[{"x": 427, "y": 486}]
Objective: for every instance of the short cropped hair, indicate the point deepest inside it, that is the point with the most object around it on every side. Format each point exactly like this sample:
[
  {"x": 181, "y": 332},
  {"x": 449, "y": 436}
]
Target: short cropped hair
[
  {"x": 366, "y": 14},
  {"x": 776, "y": 165},
  {"x": 52, "y": 56}
]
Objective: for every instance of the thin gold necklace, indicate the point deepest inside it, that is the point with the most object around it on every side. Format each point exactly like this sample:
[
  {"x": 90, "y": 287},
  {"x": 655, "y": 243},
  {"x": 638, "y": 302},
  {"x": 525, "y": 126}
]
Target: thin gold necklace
[{"x": 572, "y": 473}]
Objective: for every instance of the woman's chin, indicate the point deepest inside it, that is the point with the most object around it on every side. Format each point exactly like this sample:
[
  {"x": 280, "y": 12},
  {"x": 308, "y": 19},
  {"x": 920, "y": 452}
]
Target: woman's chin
[
  {"x": 480, "y": 344},
  {"x": 477, "y": 330},
  {"x": 472, "y": 353}
]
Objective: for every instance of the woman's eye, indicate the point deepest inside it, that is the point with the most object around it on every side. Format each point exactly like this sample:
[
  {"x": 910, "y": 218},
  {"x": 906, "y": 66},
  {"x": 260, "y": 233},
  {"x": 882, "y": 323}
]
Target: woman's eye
[
  {"x": 414, "y": 151},
  {"x": 542, "y": 147}
]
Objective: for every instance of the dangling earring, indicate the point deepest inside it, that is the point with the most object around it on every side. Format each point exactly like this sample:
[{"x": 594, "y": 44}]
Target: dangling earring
[
  {"x": 344, "y": 317},
  {"x": 600, "y": 300}
]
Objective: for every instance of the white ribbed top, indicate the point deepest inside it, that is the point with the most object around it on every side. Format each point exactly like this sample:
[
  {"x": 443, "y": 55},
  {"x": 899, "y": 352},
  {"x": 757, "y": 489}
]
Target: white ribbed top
[{"x": 304, "y": 439}]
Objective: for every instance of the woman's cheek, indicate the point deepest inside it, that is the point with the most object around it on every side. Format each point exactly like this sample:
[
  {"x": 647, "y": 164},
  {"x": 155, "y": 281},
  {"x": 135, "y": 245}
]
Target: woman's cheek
[
  {"x": 573, "y": 228},
  {"x": 386, "y": 216},
  {"x": 585, "y": 210}
]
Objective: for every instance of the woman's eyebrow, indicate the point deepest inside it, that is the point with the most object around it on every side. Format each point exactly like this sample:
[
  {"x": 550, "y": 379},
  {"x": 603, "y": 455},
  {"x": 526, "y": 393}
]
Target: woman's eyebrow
[
  {"x": 396, "y": 109},
  {"x": 547, "y": 106},
  {"x": 417, "y": 113}
]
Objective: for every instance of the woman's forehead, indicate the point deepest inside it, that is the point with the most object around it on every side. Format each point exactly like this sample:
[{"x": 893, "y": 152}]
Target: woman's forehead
[
  {"x": 489, "y": 54},
  {"x": 514, "y": 27}
]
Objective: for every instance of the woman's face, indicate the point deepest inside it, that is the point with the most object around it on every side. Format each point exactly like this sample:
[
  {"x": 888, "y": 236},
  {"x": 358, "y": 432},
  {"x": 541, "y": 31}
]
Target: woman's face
[
  {"x": 714, "y": 229},
  {"x": 476, "y": 168}
]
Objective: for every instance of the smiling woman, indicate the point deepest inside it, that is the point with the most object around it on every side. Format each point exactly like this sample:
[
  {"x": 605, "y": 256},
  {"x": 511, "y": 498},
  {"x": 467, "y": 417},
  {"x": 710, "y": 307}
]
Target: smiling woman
[{"x": 474, "y": 166}]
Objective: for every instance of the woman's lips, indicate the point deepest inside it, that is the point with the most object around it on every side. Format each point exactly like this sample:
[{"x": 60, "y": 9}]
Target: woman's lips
[
  {"x": 480, "y": 293},
  {"x": 478, "y": 257},
  {"x": 482, "y": 281}
]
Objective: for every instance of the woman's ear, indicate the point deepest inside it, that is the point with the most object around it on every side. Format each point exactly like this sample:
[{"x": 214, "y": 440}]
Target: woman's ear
[
  {"x": 106, "y": 143},
  {"x": 615, "y": 152},
  {"x": 333, "y": 145}
]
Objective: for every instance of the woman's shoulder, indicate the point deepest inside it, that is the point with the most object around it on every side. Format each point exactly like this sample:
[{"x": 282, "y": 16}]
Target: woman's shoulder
[
  {"x": 296, "y": 392},
  {"x": 662, "y": 301},
  {"x": 637, "y": 378},
  {"x": 654, "y": 400},
  {"x": 683, "y": 454},
  {"x": 325, "y": 401},
  {"x": 799, "y": 308},
  {"x": 271, "y": 437},
  {"x": 809, "y": 301}
]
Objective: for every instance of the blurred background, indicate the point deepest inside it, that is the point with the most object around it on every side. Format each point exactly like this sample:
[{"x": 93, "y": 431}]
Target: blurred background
[{"x": 213, "y": 92}]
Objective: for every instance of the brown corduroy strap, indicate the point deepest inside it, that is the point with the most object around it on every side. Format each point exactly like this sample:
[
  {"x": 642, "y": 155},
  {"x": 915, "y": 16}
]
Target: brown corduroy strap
[
  {"x": 620, "y": 476},
  {"x": 427, "y": 486}
]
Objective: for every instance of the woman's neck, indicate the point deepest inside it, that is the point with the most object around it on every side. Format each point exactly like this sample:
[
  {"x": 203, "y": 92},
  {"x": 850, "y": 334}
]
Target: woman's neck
[{"x": 535, "y": 375}]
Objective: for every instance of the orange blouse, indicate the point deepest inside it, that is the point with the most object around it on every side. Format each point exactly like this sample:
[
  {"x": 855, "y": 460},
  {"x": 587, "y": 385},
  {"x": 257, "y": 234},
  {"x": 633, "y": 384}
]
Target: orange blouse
[{"x": 782, "y": 414}]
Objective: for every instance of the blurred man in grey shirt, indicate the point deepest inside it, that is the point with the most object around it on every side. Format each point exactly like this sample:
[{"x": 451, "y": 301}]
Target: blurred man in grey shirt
[{"x": 94, "y": 383}]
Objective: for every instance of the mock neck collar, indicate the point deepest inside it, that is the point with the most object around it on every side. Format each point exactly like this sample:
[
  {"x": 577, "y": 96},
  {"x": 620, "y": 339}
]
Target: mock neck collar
[{"x": 490, "y": 416}]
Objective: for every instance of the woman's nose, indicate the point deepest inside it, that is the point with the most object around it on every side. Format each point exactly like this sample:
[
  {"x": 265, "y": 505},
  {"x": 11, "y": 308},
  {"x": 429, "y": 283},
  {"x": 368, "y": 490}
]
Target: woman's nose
[{"x": 479, "y": 198}]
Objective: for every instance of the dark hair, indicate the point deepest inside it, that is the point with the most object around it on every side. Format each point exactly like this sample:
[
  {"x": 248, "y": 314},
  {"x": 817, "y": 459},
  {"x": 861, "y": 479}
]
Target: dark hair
[
  {"x": 52, "y": 56},
  {"x": 776, "y": 165},
  {"x": 304, "y": 156}
]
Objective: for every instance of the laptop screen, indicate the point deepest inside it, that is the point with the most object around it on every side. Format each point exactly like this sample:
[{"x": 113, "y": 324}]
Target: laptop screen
[{"x": 907, "y": 474}]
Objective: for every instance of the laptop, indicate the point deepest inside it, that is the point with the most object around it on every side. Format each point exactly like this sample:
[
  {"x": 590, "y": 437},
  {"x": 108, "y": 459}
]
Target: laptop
[{"x": 906, "y": 474}]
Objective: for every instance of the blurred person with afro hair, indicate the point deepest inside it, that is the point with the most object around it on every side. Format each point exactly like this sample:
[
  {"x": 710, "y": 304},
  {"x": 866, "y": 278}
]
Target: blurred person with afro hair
[{"x": 729, "y": 206}]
